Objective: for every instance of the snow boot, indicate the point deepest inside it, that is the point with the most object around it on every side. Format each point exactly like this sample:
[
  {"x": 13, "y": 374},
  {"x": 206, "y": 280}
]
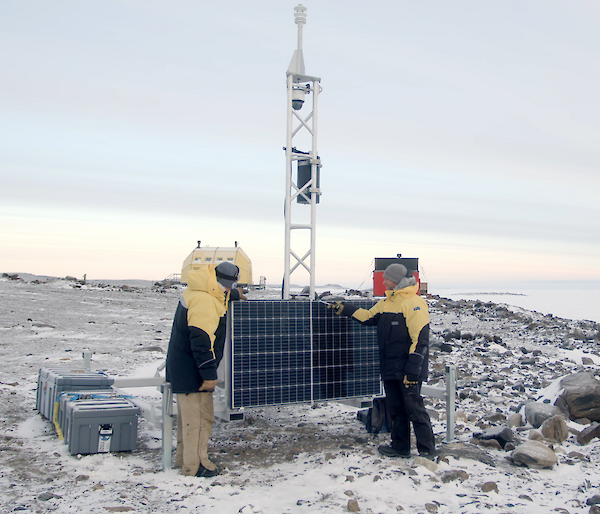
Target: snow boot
[
  {"x": 388, "y": 451},
  {"x": 207, "y": 473}
]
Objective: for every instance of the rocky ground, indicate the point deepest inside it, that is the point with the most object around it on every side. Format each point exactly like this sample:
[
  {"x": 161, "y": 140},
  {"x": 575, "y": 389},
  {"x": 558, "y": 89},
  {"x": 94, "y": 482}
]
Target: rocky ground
[{"x": 504, "y": 358}]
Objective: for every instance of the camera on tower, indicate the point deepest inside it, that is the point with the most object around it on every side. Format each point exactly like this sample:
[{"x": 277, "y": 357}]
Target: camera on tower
[{"x": 298, "y": 94}]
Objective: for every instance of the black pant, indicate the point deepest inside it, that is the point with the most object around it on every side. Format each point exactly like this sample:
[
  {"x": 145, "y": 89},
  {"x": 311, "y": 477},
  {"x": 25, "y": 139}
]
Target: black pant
[{"x": 405, "y": 405}]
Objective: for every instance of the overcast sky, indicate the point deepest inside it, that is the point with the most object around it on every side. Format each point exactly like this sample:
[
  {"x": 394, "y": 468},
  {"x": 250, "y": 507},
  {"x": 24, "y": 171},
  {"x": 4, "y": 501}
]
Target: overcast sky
[{"x": 464, "y": 133}]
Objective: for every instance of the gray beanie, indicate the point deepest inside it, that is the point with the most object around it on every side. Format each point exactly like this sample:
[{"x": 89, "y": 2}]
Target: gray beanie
[
  {"x": 227, "y": 274},
  {"x": 395, "y": 273},
  {"x": 399, "y": 275}
]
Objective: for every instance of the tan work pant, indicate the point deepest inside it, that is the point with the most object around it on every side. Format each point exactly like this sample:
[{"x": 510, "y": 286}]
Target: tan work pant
[{"x": 195, "y": 418}]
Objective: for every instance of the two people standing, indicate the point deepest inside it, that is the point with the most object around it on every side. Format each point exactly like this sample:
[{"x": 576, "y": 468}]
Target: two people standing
[{"x": 197, "y": 342}]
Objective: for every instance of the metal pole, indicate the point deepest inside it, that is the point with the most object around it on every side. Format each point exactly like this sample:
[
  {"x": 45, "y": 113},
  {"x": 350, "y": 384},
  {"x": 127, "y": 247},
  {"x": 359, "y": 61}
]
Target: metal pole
[
  {"x": 87, "y": 358},
  {"x": 450, "y": 401},
  {"x": 315, "y": 195},
  {"x": 167, "y": 425},
  {"x": 300, "y": 19},
  {"x": 449, "y": 395},
  {"x": 312, "y": 350},
  {"x": 288, "y": 187}
]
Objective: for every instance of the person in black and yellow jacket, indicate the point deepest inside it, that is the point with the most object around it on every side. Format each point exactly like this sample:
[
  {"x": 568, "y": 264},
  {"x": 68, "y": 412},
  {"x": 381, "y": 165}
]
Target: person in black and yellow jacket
[
  {"x": 195, "y": 350},
  {"x": 402, "y": 320}
]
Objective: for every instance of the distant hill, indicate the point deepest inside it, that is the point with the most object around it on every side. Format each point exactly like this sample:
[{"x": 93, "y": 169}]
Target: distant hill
[{"x": 29, "y": 277}]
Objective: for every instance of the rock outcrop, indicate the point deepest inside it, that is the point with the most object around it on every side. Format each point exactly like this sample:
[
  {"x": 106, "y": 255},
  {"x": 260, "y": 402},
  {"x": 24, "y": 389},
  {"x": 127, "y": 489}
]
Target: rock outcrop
[
  {"x": 533, "y": 454},
  {"x": 581, "y": 396}
]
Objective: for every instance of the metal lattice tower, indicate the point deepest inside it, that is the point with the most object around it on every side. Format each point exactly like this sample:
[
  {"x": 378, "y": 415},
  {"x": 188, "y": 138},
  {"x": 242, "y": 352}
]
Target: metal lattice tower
[{"x": 302, "y": 166}]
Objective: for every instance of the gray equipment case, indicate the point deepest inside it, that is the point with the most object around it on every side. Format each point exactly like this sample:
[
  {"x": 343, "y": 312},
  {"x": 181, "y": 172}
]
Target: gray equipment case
[
  {"x": 53, "y": 381},
  {"x": 100, "y": 425},
  {"x": 71, "y": 396}
]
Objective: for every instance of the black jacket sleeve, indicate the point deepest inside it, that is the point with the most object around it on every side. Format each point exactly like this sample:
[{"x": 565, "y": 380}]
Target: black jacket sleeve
[
  {"x": 201, "y": 347},
  {"x": 417, "y": 360}
]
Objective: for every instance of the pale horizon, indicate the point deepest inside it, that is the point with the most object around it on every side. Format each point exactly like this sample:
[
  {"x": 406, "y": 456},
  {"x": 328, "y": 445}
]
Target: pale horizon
[{"x": 464, "y": 134}]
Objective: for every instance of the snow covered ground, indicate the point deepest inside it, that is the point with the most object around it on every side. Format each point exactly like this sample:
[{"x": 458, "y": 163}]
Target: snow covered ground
[
  {"x": 566, "y": 303},
  {"x": 285, "y": 459}
]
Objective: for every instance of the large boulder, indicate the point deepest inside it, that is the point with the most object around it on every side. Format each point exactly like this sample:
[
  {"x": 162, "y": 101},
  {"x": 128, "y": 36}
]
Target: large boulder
[
  {"x": 466, "y": 451},
  {"x": 588, "y": 433},
  {"x": 454, "y": 474},
  {"x": 555, "y": 429},
  {"x": 534, "y": 454},
  {"x": 501, "y": 434},
  {"x": 581, "y": 396},
  {"x": 514, "y": 420},
  {"x": 536, "y": 413}
]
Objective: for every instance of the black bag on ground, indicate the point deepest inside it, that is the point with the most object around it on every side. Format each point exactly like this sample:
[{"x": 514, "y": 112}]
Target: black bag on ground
[{"x": 377, "y": 418}]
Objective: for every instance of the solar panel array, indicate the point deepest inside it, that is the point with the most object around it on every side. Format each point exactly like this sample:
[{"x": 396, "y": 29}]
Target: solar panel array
[{"x": 300, "y": 351}]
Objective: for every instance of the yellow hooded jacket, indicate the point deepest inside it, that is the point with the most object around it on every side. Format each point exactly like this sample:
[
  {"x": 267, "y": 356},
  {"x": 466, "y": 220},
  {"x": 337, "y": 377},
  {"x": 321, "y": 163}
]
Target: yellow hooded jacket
[
  {"x": 205, "y": 300},
  {"x": 198, "y": 333}
]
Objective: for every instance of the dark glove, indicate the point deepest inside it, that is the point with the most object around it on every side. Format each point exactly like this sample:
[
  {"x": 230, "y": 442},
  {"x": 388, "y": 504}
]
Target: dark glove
[
  {"x": 410, "y": 380},
  {"x": 337, "y": 307}
]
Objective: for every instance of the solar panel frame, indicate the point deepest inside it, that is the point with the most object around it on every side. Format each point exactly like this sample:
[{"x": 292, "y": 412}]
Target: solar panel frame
[{"x": 298, "y": 351}]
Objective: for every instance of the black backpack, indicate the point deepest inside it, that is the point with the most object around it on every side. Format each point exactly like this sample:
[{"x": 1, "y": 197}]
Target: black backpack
[{"x": 378, "y": 417}]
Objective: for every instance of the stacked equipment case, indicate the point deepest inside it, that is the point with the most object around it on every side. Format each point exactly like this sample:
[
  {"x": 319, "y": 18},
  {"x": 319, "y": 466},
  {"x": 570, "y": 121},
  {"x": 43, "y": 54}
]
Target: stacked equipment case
[
  {"x": 87, "y": 412},
  {"x": 54, "y": 381},
  {"x": 101, "y": 425}
]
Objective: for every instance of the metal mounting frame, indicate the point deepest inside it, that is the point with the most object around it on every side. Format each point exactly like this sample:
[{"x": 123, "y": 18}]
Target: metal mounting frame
[{"x": 222, "y": 401}]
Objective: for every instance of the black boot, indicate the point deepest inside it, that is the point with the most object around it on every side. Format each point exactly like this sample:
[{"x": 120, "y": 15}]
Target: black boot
[
  {"x": 207, "y": 473},
  {"x": 388, "y": 451}
]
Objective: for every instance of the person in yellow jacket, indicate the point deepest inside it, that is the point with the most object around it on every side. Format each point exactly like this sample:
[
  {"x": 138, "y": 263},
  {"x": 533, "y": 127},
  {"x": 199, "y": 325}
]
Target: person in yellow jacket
[
  {"x": 195, "y": 350},
  {"x": 402, "y": 320}
]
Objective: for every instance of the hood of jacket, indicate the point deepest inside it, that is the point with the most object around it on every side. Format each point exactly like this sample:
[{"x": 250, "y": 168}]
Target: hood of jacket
[
  {"x": 205, "y": 300},
  {"x": 404, "y": 292},
  {"x": 204, "y": 280},
  {"x": 405, "y": 282}
]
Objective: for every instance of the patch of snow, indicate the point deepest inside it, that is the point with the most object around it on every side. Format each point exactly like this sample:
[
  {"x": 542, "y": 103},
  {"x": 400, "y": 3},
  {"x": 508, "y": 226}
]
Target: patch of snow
[{"x": 282, "y": 459}]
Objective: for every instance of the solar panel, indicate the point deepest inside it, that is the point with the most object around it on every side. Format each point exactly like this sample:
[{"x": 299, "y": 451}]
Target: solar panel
[{"x": 299, "y": 351}]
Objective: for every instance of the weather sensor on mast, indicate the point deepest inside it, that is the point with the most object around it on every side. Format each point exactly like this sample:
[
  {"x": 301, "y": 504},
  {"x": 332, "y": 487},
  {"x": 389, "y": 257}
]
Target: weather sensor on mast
[{"x": 302, "y": 165}]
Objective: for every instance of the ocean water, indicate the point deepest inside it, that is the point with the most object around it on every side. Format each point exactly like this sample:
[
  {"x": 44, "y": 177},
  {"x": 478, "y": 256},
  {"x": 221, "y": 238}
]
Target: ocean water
[{"x": 579, "y": 304}]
